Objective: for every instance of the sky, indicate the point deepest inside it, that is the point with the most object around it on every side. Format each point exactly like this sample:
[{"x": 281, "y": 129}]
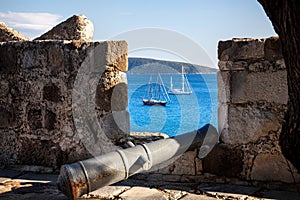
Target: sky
[{"x": 174, "y": 29}]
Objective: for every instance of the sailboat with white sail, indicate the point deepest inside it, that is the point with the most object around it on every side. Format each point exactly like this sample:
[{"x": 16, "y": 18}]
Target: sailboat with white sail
[
  {"x": 156, "y": 93},
  {"x": 185, "y": 85}
]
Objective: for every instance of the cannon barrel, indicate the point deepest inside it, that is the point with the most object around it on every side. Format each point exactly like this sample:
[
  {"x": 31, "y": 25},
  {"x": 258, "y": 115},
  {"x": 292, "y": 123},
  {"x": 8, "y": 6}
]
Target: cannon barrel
[{"x": 85, "y": 176}]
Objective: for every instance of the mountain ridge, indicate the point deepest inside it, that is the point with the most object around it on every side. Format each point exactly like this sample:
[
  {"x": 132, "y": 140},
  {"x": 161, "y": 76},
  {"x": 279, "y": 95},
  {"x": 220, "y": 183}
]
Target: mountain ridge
[{"x": 138, "y": 65}]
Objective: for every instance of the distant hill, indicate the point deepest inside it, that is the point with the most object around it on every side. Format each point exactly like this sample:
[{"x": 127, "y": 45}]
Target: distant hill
[{"x": 152, "y": 66}]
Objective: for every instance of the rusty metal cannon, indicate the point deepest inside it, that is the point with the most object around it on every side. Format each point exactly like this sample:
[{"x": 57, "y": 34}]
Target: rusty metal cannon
[{"x": 85, "y": 176}]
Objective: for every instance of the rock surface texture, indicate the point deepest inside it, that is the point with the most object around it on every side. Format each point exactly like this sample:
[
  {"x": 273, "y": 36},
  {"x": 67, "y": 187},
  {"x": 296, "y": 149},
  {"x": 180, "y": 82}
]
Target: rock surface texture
[
  {"x": 8, "y": 34},
  {"x": 77, "y": 27},
  {"x": 62, "y": 102},
  {"x": 64, "y": 98},
  {"x": 253, "y": 95}
]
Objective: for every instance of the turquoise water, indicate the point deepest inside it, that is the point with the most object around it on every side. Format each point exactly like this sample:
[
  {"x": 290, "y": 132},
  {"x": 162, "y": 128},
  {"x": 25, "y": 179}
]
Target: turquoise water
[{"x": 183, "y": 114}]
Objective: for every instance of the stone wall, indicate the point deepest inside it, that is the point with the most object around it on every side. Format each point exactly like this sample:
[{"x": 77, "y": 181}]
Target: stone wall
[
  {"x": 253, "y": 95},
  {"x": 53, "y": 89},
  {"x": 38, "y": 99}
]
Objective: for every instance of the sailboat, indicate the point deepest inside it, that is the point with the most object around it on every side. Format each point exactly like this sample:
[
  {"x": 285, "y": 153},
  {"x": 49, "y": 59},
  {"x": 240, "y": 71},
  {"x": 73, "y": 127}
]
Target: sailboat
[
  {"x": 156, "y": 93},
  {"x": 185, "y": 85}
]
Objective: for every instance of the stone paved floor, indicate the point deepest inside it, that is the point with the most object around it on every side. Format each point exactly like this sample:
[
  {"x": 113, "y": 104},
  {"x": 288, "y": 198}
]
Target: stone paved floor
[{"x": 28, "y": 185}]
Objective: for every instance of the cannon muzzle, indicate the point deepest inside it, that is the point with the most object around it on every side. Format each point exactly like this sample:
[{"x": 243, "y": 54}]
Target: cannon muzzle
[{"x": 85, "y": 176}]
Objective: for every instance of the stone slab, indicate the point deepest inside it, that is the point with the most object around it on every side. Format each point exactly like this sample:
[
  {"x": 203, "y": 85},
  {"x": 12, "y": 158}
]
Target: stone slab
[
  {"x": 108, "y": 192},
  {"x": 174, "y": 194},
  {"x": 9, "y": 173},
  {"x": 223, "y": 86},
  {"x": 142, "y": 193},
  {"x": 223, "y": 160},
  {"x": 271, "y": 167},
  {"x": 49, "y": 195},
  {"x": 197, "y": 197},
  {"x": 254, "y": 87},
  {"x": 235, "y": 191},
  {"x": 286, "y": 195},
  {"x": 43, "y": 178},
  {"x": 241, "y": 49},
  {"x": 247, "y": 123},
  {"x": 184, "y": 164},
  {"x": 273, "y": 49}
]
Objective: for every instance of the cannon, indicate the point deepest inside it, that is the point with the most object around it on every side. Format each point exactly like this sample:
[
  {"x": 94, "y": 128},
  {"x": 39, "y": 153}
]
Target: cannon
[{"x": 85, "y": 176}]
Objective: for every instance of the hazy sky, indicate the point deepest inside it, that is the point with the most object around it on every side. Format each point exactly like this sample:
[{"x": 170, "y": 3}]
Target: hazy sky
[{"x": 204, "y": 22}]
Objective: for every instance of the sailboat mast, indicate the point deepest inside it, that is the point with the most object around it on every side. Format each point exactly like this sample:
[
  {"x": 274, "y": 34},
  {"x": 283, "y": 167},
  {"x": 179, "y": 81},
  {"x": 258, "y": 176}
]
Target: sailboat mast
[
  {"x": 182, "y": 79},
  {"x": 150, "y": 88}
]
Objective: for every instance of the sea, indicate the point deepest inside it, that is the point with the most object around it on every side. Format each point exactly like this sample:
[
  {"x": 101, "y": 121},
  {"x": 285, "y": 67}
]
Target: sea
[{"x": 182, "y": 114}]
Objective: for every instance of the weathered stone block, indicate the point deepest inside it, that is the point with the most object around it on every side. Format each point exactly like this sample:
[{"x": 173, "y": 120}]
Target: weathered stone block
[
  {"x": 248, "y": 123},
  {"x": 8, "y": 58},
  {"x": 241, "y": 49},
  {"x": 232, "y": 66},
  {"x": 223, "y": 86},
  {"x": 8, "y": 141},
  {"x": 184, "y": 164},
  {"x": 56, "y": 58},
  {"x": 238, "y": 87},
  {"x": 39, "y": 152},
  {"x": 271, "y": 167},
  {"x": 7, "y": 117},
  {"x": 77, "y": 27},
  {"x": 223, "y": 119},
  {"x": 50, "y": 120},
  {"x": 112, "y": 93},
  {"x": 113, "y": 53},
  {"x": 254, "y": 87},
  {"x": 4, "y": 88},
  {"x": 199, "y": 166},
  {"x": 273, "y": 49},
  {"x": 8, "y": 34},
  {"x": 116, "y": 125},
  {"x": 35, "y": 118},
  {"x": 224, "y": 161},
  {"x": 34, "y": 55},
  {"x": 51, "y": 93}
]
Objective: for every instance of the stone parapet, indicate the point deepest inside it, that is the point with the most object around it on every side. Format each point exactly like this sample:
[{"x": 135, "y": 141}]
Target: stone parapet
[
  {"x": 9, "y": 34},
  {"x": 37, "y": 84},
  {"x": 253, "y": 95},
  {"x": 77, "y": 27}
]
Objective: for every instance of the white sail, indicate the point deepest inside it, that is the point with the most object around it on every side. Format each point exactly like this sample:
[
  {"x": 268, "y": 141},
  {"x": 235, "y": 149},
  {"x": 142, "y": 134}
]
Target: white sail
[
  {"x": 157, "y": 95},
  {"x": 185, "y": 85}
]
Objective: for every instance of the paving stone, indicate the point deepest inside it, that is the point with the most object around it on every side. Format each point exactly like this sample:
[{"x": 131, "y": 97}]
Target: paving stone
[
  {"x": 108, "y": 192},
  {"x": 142, "y": 193},
  {"x": 33, "y": 196},
  {"x": 197, "y": 197},
  {"x": 4, "y": 189},
  {"x": 41, "y": 178},
  {"x": 235, "y": 191},
  {"x": 4, "y": 179},
  {"x": 174, "y": 194},
  {"x": 286, "y": 195},
  {"x": 8, "y": 173}
]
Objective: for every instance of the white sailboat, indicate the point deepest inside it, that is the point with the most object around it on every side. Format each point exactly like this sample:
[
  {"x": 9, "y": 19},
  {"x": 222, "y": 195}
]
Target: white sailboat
[{"x": 185, "y": 85}]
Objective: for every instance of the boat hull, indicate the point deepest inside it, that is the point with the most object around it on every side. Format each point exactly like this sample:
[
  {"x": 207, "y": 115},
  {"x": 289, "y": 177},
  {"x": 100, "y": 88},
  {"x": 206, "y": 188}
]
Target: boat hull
[
  {"x": 178, "y": 92},
  {"x": 152, "y": 102}
]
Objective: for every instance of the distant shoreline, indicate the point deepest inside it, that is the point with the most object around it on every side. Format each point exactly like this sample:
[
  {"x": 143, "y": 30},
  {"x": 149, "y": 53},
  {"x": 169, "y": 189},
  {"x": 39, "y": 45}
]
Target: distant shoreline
[
  {"x": 153, "y": 66},
  {"x": 129, "y": 72}
]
